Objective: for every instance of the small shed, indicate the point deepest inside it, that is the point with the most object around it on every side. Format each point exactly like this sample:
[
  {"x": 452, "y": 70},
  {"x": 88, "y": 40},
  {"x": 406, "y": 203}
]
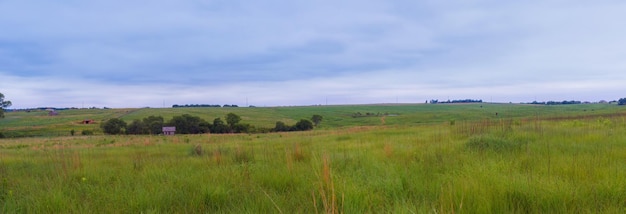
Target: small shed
[{"x": 169, "y": 130}]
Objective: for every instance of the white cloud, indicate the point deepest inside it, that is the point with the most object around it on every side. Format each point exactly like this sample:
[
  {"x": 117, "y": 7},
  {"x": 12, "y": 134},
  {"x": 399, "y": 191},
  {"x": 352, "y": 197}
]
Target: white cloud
[{"x": 134, "y": 54}]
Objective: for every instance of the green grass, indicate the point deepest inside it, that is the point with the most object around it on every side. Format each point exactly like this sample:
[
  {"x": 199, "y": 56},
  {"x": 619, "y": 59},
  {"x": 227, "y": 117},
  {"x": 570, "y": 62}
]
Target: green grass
[
  {"x": 38, "y": 123},
  {"x": 530, "y": 159}
]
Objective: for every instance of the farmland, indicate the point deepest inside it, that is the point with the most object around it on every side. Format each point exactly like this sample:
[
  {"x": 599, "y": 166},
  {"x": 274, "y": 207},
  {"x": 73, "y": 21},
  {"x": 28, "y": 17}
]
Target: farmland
[{"x": 361, "y": 159}]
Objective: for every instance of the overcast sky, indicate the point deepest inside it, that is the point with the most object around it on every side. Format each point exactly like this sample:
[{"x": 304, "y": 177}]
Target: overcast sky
[{"x": 113, "y": 53}]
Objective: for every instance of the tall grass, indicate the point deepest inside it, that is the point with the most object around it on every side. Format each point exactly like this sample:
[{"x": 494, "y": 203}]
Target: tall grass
[{"x": 511, "y": 165}]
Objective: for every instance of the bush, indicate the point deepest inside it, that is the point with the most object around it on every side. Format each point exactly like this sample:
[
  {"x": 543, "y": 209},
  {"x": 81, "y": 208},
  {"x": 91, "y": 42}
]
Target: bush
[
  {"x": 2, "y": 135},
  {"x": 621, "y": 101}
]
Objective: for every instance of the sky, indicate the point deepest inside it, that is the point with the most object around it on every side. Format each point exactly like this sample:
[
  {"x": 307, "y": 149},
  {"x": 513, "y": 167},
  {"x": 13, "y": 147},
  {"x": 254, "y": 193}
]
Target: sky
[{"x": 119, "y": 54}]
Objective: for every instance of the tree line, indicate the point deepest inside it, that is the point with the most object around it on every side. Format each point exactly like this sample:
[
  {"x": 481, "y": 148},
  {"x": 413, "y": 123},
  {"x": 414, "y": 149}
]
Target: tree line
[
  {"x": 202, "y": 106},
  {"x": 188, "y": 124},
  {"x": 456, "y": 101},
  {"x": 564, "y": 102}
]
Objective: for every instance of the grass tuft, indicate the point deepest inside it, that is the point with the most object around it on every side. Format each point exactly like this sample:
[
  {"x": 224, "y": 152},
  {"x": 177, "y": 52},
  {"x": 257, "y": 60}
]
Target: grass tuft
[{"x": 494, "y": 143}]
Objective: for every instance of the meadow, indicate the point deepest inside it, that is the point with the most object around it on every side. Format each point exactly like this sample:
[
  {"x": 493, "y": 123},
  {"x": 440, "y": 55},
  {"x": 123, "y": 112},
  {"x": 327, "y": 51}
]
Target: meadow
[{"x": 416, "y": 159}]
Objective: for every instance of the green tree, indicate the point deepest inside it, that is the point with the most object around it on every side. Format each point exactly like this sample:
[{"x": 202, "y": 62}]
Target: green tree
[
  {"x": 281, "y": 127},
  {"x": 303, "y": 125},
  {"x": 154, "y": 124},
  {"x": 187, "y": 124},
  {"x": 242, "y": 128},
  {"x": 317, "y": 119},
  {"x": 205, "y": 126},
  {"x": 113, "y": 126},
  {"x": 137, "y": 127},
  {"x": 621, "y": 101},
  {"x": 219, "y": 126},
  {"x": 3, "y": 104},
  {"x": 232, "y": 119}
]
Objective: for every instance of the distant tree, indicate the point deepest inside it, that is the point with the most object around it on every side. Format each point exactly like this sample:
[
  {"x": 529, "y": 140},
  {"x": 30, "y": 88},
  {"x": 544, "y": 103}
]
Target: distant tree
[
  {"x": 187, "y": 124},
  {"x": 113, "y": 126},
  {"x": 241, "y": 128},
  {"x": 281, "y": 127},
  {"x": 205, "y": 127},
  {"x": 154, "y": 124},
  {"x": 317, "y": 119},
  {"x": 232, "y": 119},
  {"x": 3, "y": 104},
  {"x": 219, "y": 126},
  {"x": 303, "y": 125},
  {"x": 621, "y": 101},
  {"x": 137, "y": 127}
]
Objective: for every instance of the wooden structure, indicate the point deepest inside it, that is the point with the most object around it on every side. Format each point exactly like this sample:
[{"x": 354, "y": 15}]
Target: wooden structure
[{"x": 169, "y": 130}]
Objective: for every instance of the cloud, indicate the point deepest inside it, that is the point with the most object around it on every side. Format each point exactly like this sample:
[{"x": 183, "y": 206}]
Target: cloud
[{"x": 133, "y": 54}]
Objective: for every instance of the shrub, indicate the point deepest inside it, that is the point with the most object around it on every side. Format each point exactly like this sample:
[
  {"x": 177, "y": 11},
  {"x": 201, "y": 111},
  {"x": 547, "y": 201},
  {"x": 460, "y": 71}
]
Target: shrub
[{"x": 87, "y": 132}]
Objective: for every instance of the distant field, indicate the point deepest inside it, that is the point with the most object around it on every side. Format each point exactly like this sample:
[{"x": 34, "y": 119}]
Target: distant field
[
  {"x": 421, "y": 159},
  {"x": 23, "y": 124}
]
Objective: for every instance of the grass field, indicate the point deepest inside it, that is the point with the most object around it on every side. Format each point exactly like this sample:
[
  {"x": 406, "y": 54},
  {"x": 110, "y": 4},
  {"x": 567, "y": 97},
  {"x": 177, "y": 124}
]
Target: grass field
[
  {"x": 38, "y": 123},
  {"x": 418, "y": 159}
]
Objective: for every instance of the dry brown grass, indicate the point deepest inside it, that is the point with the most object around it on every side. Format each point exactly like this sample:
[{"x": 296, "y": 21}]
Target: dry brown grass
[
  {"x": 388, "y": 150},
  {"x": 326, "y": 189}
]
